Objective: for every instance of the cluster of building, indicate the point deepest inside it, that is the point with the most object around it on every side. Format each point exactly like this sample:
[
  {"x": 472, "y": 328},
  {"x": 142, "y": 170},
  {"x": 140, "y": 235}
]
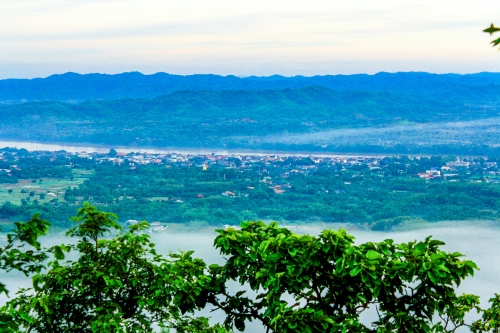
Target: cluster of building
[
  {"x": 287, "y": 164},
  {"x": 449, "y": 170}
]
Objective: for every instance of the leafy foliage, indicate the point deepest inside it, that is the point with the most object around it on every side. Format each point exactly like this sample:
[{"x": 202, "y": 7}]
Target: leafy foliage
[
  {"x": 286, "y": 281},
  {"x": 114, "y": 285},
  {"x": 324, "y": 283},
  {"x": 491, "y": 30},
  {"x": 14, "y": 255},
  {"x": 490, "y": 321}
]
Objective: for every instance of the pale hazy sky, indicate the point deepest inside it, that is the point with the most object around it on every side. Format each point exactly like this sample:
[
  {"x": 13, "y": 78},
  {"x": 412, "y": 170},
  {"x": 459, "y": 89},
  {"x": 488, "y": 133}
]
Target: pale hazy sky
[{"x": 255, "y": 37}]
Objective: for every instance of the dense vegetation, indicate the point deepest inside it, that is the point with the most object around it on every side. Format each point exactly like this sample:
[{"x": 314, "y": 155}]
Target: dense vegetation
[
  {"x": 244, "y": 119},
  {"x": 376, "y": 193},
  {"x": 298, "y": 283}
]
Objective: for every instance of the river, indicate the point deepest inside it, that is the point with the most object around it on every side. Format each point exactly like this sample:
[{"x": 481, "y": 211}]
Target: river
[{"x": 33, "y": 146}]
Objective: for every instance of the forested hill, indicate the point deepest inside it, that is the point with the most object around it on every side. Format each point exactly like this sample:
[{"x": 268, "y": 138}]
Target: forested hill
[
  {"x": 216, "y": 118},
  {"x": 76, "y": 87}
]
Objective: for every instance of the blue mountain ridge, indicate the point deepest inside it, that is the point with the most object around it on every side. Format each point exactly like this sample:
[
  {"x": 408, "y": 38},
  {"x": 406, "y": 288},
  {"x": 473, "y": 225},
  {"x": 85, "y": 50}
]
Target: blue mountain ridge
[{"x": 80, "y": 87}]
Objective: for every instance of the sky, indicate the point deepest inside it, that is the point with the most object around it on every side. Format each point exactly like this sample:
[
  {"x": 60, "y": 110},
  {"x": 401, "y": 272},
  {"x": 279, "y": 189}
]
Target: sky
[{"x": 292, "y": 37}]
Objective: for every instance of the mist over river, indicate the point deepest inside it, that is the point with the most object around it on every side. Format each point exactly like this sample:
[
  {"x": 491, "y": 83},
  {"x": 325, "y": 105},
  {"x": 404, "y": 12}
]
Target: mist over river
[{"x": 478, "y": 240}]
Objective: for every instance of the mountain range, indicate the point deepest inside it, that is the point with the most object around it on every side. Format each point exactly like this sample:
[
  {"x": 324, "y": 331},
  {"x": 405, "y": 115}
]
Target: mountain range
[{"x": 78, "y": 87}]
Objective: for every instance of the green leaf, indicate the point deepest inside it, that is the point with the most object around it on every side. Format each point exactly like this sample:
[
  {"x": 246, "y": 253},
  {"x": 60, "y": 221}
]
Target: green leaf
[
  {"x": 240, "y": 324},
  {"x": 58, "y": 253},
  {"x": 432, "y": 277},
  {"x": 372, "y": 255},
  {"x": 491, "y": 30},
  {"x": 420, "y": 249},
  {"x": 355, "y": 271},
  {"x": 442, "y": 267}
]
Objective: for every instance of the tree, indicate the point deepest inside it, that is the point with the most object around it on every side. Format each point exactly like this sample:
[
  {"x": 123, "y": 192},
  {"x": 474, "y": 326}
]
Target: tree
[
  {"x": 300, "y": 283},
  {"x": 491, "y": 30},
  {"x": 13, "y": 254},
  {"x": 323, "y": 284},
  {"x": 117, "y": 284},
  {"x": 112, "y": 152}
]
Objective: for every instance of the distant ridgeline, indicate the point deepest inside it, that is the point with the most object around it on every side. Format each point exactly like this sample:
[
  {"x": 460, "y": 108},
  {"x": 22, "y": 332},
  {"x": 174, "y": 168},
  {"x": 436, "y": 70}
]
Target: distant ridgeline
[{"x": 384, "y": 113}]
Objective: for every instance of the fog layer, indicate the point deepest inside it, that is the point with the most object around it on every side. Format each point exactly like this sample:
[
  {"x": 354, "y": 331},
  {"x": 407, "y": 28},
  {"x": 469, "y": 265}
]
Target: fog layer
[{"x": 474, "y": 132}]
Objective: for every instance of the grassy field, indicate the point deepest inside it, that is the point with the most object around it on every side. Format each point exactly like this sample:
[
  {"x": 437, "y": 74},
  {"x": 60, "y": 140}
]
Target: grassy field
[{"x": 22, "y": 189}]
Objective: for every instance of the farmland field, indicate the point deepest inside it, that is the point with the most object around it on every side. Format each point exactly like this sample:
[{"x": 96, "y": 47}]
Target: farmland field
[{"x": 23, "y": 188}]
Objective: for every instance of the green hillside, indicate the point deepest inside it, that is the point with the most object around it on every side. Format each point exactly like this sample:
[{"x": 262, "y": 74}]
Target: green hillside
[{"x": 215, "y": 118}]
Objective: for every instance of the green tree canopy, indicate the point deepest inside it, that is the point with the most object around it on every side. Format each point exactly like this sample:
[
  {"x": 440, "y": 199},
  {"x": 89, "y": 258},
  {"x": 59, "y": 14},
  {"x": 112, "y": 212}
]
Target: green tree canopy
[
  {"x": 13, "y": 253},
  {"x": 112, "y": 280},
  {"x": 323, "y": 284},
  {"x": 114, "y": 284}
]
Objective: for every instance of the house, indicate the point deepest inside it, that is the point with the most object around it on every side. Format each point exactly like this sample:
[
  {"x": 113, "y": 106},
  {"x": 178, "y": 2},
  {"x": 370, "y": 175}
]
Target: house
[
  {"x": 267, "y": 180},
  {"x": 433, "y": 173},
  {"x": 228, "y": 194},
  {"x": 458, "y": 164}
]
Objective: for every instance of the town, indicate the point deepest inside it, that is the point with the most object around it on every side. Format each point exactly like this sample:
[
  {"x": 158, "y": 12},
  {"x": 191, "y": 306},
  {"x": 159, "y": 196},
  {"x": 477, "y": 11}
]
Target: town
[
  {"x": 430, "y": 168},
  {"x": 218, "y": 189}
]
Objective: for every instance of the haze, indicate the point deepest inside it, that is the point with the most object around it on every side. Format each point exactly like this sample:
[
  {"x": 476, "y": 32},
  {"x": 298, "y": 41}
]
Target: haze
[{"x": 258, "y": 37}]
